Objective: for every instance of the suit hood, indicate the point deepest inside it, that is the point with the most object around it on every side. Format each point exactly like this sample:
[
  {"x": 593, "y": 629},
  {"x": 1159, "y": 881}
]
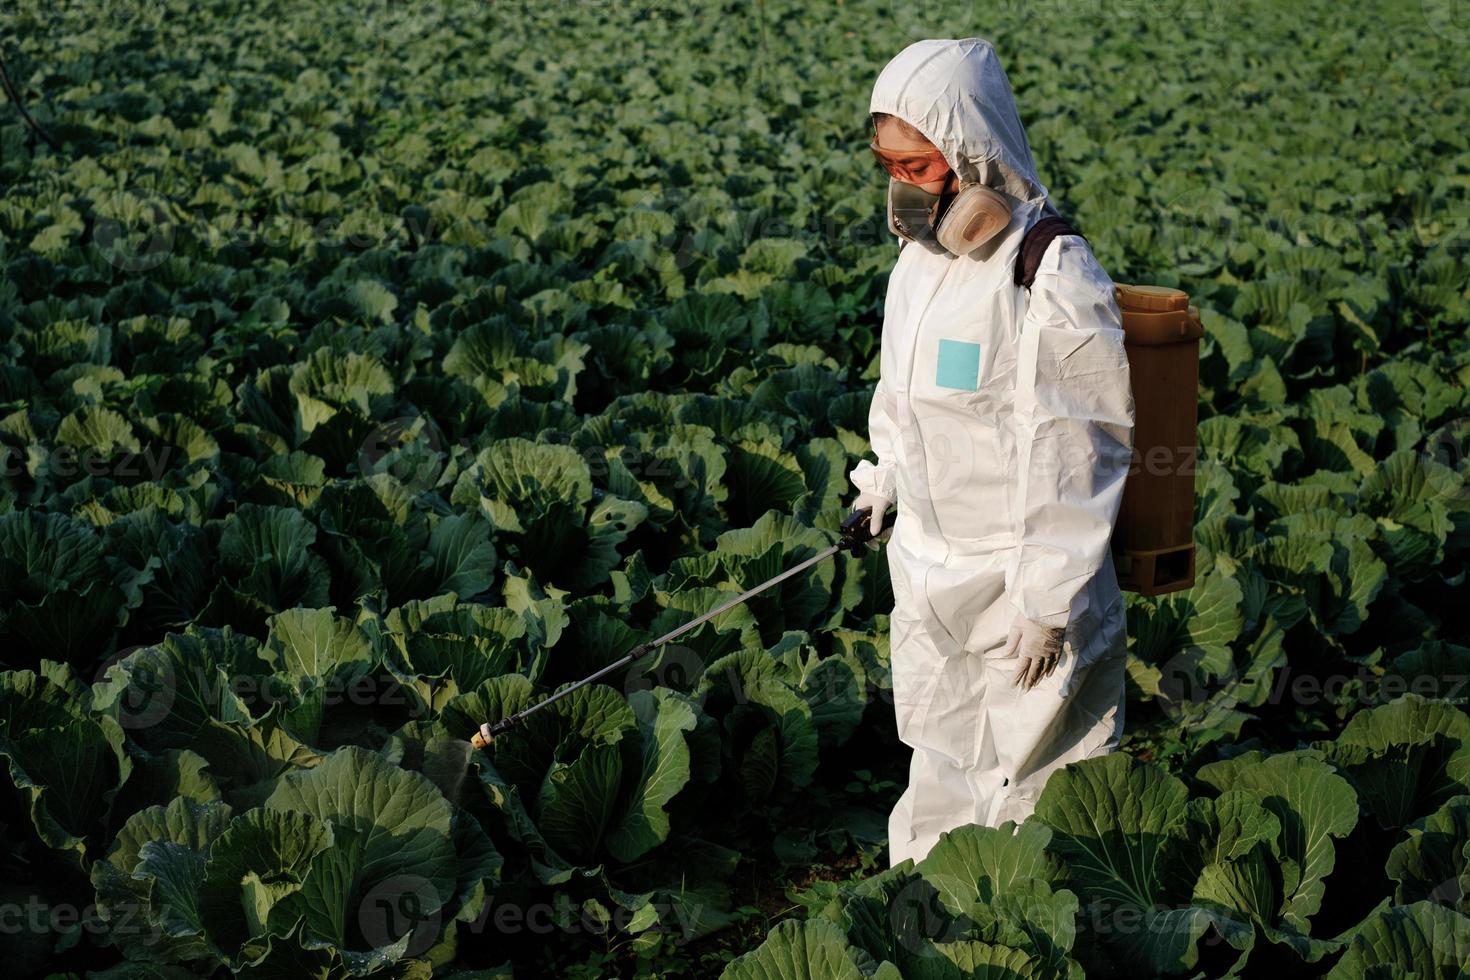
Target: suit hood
[{"x": 956, "y": 93}]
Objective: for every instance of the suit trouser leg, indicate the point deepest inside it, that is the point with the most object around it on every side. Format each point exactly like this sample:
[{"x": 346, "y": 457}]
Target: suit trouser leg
[
  {"x": 938, "y": 707},
  {"x": 983, "y": 748}
]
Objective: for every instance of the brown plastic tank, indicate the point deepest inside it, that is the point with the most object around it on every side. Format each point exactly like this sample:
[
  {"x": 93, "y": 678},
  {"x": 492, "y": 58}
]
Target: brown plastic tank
[{"x": 1153, "y": 542}]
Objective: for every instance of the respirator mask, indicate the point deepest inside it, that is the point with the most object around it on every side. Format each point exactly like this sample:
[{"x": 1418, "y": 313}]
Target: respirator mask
[{"x": 956, "y": 223}]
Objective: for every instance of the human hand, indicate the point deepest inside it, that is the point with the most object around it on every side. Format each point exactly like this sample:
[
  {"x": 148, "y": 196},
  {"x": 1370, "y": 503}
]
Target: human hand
[
  {"x": 878, "y": 509},
  {"x": 1038, "y": 647}
]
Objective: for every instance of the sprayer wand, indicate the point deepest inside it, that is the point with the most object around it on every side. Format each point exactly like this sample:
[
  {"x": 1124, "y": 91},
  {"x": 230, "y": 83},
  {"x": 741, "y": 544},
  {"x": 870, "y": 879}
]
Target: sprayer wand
[{"x": 856, "y": 533}]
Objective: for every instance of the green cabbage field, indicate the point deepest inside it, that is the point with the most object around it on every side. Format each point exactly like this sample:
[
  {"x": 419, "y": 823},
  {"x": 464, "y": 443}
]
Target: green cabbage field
[{"x": 369, "y": 371}]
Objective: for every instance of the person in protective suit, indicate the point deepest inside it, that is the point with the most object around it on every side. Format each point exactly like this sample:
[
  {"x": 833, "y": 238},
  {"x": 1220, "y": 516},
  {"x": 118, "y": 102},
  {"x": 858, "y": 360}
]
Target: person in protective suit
[{"x": 1002, "y": 425}]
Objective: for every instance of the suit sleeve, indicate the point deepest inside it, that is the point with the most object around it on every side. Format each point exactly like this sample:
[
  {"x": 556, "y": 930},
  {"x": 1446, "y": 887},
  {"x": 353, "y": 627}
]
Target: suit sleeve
[
  {"x": 1074, "y": 423},
  {"x": 878, "y": 477}
]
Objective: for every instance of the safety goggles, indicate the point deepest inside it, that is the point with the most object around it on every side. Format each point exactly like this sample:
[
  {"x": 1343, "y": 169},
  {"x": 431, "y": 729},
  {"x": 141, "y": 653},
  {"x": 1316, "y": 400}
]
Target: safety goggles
[{"x": 911, "y": 166}]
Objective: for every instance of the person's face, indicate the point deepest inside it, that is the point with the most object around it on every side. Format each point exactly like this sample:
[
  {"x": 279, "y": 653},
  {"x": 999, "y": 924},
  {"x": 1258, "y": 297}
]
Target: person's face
[{"x": 893, "y": 140}]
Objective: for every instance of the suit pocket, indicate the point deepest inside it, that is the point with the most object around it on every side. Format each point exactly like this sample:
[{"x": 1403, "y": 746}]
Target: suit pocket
[{"x": 957, "y": 365}]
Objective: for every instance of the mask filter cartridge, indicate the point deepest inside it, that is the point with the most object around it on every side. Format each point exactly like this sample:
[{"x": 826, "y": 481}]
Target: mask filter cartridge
[{"x": 941, "y": 223}]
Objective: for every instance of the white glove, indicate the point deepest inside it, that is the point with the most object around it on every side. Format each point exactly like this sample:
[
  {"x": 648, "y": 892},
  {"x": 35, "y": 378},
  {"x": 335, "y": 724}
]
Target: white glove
[
  {"x": 1039, "y": 648},
  {"x": 880, "y": 505}
]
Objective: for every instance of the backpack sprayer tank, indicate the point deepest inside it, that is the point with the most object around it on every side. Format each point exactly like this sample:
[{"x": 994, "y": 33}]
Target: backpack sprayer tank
[{"x": 1153, "y": 541}]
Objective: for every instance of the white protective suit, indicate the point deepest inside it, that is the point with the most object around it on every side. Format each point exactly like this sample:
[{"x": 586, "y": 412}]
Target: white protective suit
[{"x": 1002, "y": 424}]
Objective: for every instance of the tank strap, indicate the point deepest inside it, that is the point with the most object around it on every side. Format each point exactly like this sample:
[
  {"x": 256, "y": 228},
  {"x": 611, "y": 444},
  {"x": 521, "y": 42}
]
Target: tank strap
[{"x": 1035, "y": 243}]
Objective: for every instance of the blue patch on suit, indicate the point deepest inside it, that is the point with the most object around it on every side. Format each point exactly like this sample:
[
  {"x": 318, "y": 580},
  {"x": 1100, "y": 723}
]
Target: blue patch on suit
[{"x": 959, "y": 365}]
